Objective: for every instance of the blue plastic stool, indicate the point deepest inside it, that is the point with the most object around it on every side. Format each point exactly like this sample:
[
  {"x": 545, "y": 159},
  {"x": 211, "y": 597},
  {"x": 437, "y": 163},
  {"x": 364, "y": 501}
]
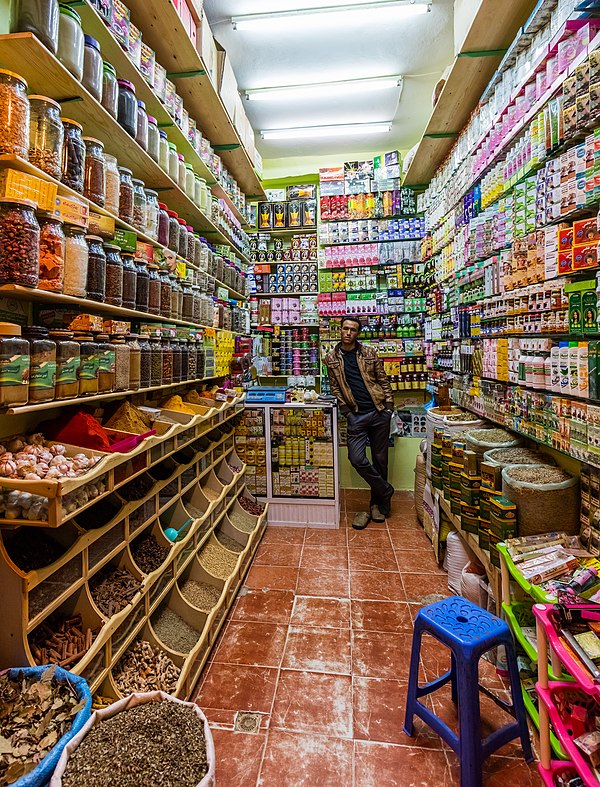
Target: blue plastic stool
[{"x": 469, "y": 632}]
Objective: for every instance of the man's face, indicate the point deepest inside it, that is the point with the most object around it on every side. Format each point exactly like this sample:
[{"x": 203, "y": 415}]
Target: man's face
[{"x": 349, "y": 333}]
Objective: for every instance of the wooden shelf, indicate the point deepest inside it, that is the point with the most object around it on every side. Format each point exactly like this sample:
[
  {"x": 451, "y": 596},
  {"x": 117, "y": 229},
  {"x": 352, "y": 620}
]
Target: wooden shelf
[
  {"x": 491, "y": 32},
  {"x": 163, "y": 30},
  {"x": 281, "y": 294},
  {"x": 287, "y": 231},
  {"x": 23, "y": 53}
]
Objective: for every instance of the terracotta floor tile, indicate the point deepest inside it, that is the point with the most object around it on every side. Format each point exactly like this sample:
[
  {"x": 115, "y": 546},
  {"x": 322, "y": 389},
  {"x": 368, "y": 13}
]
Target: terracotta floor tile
[
  {"x": 312, "y": 702},
  {"x": 264, "y": 606},
  {"x": 320, "y": 537},
  {"x": 314, "y": 582},
  {"x": 357, "y": 496},
  {"x": 254, "y": 644},
  {"x": 392, "y": 616},
  {"x": 371, "y": 527},
  {"x": 425, "y": 588},
  {"x": 363, "y": 559},
  {"x": 296, "y": 760},
  {"x": 377, "y": 764},
  {"x": 377, "y": 654},
  {"x": 379, "y": 707},
  {"x": 318, "y": 650},
  {"x": 376, "y": 586},
  {"x": 272, "y": 578},
  {"x": 435, "y": 657},
  {"x": 325, "y": 558},
  {"x": 239, "y": 757},
  {"x": 322, "y": 612},
  {"x": 278, "y": 555},
  {"x": 284, "y": 535},
  {"x": 501, "y": 771},
  {"x": 231, "y": 687},
  {"x": 369, "y": 538},
  {"x": 418, "y": 561},
  {"x": 404, "y": 538}
]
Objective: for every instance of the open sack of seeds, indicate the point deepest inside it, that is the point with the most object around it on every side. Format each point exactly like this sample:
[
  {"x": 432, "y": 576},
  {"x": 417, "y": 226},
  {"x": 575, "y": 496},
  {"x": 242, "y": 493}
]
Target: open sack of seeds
[{"x": 147, "y": 739}]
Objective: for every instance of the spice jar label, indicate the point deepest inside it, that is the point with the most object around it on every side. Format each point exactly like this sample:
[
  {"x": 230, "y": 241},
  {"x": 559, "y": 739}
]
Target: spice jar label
[
  {"x": 43, "y": 377},
  {"x": 106, "y": 362},
  {"x": 89, "y": 368},
  {"x": 67, "y": 371},
  {"x": 14, "y": 370}
]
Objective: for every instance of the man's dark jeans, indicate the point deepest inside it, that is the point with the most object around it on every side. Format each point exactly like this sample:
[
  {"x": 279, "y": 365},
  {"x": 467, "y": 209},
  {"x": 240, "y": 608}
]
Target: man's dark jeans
[{"x": 373, "y": 427}]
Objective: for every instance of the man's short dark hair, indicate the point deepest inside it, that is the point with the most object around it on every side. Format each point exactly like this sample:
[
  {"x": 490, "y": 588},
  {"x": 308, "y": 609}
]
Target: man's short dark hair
[{"x": 352, "y": 318}]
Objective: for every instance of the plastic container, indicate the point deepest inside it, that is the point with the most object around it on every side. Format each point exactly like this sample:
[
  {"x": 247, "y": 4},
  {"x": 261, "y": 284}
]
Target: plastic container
[
  {"x": 139, "y": 205},
  {"x": 42, "y": 364},
  {"x": 14, "y": 365},
  {"x": 190, "y": 185},
  {"x": 70, "y": 41},
  {"x": 181, "y": 171},
  {"x": 142, "y": 286},
  {"x": 114, "y": 275},
  {"x": 67, "y": 364},
  {"x": 152, "y": 214},
  {"x": 174, "y": 229},
  {"x": 145, "y": 362},
  {"x": 92, "y": 67},
  {"x": 76, "y": 262},
  {"x": 187, "y": 311},
  {"x": 125, "y": 195},
  {"x": 173, "y": 162},
  {"x": 106, "y": 364},
  {"x": 135, "y": 362},
  {"x": 163, "y": 151},
  {"x": 141, "y": 133},
  {"x": 127, "y": 112},
  {"x": 153, "y": 139},
  {"x": 156, "y": 369},
  {"x": 110, "y": 90},
  {"x": 176, "y": 348},
  {"x": 163, "y": 225},
  {"x": 14, "y": 114},
  {"x": 46, "y": 135},
  {"x": 88, "y": 368},
  {"x": 167, "y": 362},
  {"x": 94, "y": 184},
  {"x": 165, "y": 294},
  {"x": 112, "y": 184},
  {"x": 39, "y": 17},
  {"x": 154, "y": 288},
  {"x": 96, "y": 278},
  {"x": 176, "y": 297},
  {"x": 73, "y": 163},
  {"x": 52, "y": 254},
  {"x": 19, "y": 243},
  {"x": 183, "y": 243},
  {"x": 122, "y": 352},
  {"x": 130, "y": 276}
]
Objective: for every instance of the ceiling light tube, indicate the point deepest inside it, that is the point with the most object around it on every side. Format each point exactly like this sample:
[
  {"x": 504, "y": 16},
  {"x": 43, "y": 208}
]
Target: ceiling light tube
[
  {"x": 309, "y": 17},
  {"x": 321, "y": 89},
  {"x": 327, "y": 131}
]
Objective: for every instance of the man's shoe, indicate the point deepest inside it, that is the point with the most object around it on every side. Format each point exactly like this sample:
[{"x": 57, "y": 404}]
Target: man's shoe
[
  {"x": 361, "y": 520},
  {"x": 376, "y": 514}
]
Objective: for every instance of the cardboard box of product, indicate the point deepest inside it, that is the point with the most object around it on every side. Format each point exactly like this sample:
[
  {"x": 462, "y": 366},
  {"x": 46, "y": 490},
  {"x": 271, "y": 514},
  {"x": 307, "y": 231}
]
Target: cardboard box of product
[
  {"x": 228, "y": 89},
  {"x": 20, "y": 185},
  {"x": 207, "y": 49}
]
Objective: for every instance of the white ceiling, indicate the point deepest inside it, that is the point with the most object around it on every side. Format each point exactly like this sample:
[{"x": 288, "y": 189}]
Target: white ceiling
[{"x": 419, "y": 48}]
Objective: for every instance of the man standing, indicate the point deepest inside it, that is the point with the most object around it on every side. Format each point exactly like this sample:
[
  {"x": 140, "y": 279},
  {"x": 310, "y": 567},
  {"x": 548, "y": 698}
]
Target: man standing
[{"x": 360, "y": 384}]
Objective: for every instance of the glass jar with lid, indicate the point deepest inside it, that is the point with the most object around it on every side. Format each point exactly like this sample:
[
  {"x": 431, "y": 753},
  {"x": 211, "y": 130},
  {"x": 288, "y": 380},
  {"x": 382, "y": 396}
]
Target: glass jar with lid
[
  {"x": 165, "y": 294},
  {"x": 39, "y": 17},
  {"x": 152, "y": 212},
  {"x": 52, "y": 253},
  {"x": 173, "y": 231},
  {"x": 185, "y": 359},
  {"x": 46, "y": 135},
  {"x": 141, "y": 286},
  {"x": 141, "y": 134},
  {"x": 96, "y": 277},
  {"x": 155, "y": 361},
  {"x": 173, "y": 162},
  {"x": 122, "y": 352},
  {"x": 114, "y": 275},
  {"x": 154, "y": 290},
  {"x": 73, "y": 159},
  {"x": 197, "y": 250},
  {"x": 197, "y": 305},
  {"x": 42, "y": 364},
  {"x": 125, "y": 195},
  {"x": 180, "y": 171},
  {"x": 198, "y": 191},
  {"x": 112, "y": 184},
  {"x": 200, "y": 360},
  {"x": 14, "y": 365},
  {"x": 167, "y": 362},
  {"x": 163, "y": 150},
  {"x": 110, "y": 90},
  {"x": 14, "y": 114},
  {"x": 192, "y": 358},
  {"x": 135, "y": 362},
  {"x": 182, "y": 245},
  {"x": 92, "y": 67},
  {"x": 139, "y": 205},
  {"x": 129, "y": 280},
  {"x": 163, "y": 224},
  {"x": 76, "y": 261},
  {"x": 153, "y": 139},
  {"x": 190, "y": 186},
  {"x": 88, "y": 366},
  {"x": 94, "y": 184},
  {"x": 106, "y": 364},
  {"x": 176, "y": 349},
  {"x": 19, "y": 243},
  {"x": 127, "y": 111},
  {"x": 187, "y": 302},
  {"x": 145, "y": 362},
  {"x": 189, "y": 254},
  {"x": 67, "y": 364},
  {"x": 176, "y": 297},
  {"x": 70, "y": 41}
]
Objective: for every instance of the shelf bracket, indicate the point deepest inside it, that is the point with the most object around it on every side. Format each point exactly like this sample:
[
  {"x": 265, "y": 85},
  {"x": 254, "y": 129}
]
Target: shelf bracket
[
  {"x": 186, "y": 74},
  {"x": 70, "y": 100},
  {"x": 226, "y": 147},
  {"x": 444, "y": 135},
  {"x": 166, "y": 125},
  {"x": 483, "y": 53}
]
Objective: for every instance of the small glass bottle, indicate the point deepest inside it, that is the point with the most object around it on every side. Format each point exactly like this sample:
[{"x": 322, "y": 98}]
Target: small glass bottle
[
  {"x": 94, "y": 185},
  {"x": 173, "y": 162},
  {"x": 153, "y": 139},
  {"x": 142, "y": 286},
  {"x": 173, "y": 231},
  {"x": 88, "y": 369},
  {"x": 165, "y": 294},
  {"x": 135, "y": 362},
  {"x": 67, "y": 364},
  {"x": 163, "y": 151},
  {"x": 42, "y": 365},
  {"x": 73, "y": 162},
  {"x": 122, "y": 352},
  {"x": 154, "y": 290},
  {"x": 106, "y": 364},
  {"x": 96, "y": 275},
  {"x": 76, "y": 262},
  {"x": 52, "y": 254},
  {"x": 145, "y": 362},
  {"x": 114, "y": 275},
  {"x": 126, "y": 195},
  {"x": 139, "y": 205},
  {"x": 46, "y": 135},
  {"x": 92, "y": 67},
  {"x": 141, "y": 134},
  {"x": 112, "y": 184},
  {"x": 110, "y": 90},
  {"x": 163, "y": 224},
  {"x": 152, "y": 214},
  {"x": 130, "y": 275}
]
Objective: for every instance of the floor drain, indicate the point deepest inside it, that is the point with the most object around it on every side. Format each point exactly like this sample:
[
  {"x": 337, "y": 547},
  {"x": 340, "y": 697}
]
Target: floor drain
[{"x": 247, "y": 722}]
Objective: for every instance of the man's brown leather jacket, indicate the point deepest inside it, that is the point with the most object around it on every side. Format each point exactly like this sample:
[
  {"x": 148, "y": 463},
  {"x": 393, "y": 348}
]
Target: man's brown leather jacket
[{"x": 371, "y": 368}]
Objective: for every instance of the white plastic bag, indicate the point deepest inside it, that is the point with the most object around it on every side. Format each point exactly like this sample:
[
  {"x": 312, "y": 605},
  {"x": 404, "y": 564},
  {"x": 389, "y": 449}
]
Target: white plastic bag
[{"x": 458, "y": 555}]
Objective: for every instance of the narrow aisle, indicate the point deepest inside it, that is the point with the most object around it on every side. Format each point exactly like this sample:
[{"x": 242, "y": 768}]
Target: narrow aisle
[{"x": 318, "y": 646}]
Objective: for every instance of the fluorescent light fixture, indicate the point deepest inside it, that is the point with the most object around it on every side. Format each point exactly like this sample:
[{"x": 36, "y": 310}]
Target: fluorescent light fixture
[
  {"x": 352, "y": 14},
  {"x": 321, "y": 89},
  {"x": 353, "y": 129}
]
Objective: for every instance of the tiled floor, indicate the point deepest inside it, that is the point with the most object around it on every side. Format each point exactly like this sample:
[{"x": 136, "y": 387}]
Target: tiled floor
[{"x": 318, "y": 644}]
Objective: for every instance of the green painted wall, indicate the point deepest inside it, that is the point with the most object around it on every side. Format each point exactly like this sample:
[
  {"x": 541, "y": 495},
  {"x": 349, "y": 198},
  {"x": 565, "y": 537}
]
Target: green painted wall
[
  {"x": 4, "y": 16},
  {"x": 402, "y": 459}
]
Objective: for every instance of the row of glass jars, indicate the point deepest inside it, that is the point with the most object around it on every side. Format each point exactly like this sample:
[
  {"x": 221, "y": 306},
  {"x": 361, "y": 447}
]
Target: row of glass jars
[{"x": 40, "y": 365}]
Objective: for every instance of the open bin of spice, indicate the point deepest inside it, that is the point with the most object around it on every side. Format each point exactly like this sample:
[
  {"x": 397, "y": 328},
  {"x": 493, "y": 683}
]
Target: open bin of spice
[
  {"x": 204, "y": 592},
  {"x": 197, "y": 502},
  {"x": 212, "y": 488},
  {"x": 116, "y": 586},
  {"x": 147, "y": 666},
  {"x": 179, "y": 626},
  {"x": 218, "y": 560},
  {"x": 150, "y": 550}
]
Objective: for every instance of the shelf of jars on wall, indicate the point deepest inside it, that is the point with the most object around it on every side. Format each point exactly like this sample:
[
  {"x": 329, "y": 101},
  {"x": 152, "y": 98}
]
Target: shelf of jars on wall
[{"x": 189, "y": 478}]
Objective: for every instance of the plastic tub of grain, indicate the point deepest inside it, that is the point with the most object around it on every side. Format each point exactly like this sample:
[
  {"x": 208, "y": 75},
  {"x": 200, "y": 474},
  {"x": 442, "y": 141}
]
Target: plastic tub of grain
[
  {"x": 547, "y": 498},
  {"x": 141, "y": 737},
  {"x": 483, "y": 440},
  {"x": 519, "y": 455}
]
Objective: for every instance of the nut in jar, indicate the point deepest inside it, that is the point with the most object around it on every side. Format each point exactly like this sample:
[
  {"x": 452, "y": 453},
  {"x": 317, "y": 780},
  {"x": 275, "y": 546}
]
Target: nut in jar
[
  {"x": 14, "y": 114},
  {"x": 19, "y": 243}
]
